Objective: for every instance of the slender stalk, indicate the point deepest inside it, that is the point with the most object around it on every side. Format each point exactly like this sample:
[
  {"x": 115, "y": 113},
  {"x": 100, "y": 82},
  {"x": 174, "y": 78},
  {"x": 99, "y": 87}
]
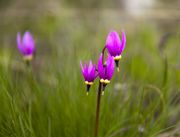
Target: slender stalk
[{"x": 97, "y": 110}]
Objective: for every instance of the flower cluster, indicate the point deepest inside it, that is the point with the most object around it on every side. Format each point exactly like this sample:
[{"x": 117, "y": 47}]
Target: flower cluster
[{"x": 105, "y": 68}]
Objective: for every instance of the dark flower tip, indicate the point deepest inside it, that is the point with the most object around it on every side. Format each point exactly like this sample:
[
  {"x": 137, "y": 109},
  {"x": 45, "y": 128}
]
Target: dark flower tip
[
  {"x": 88, "y": 88},
  {"x": 117, "y": 64}
]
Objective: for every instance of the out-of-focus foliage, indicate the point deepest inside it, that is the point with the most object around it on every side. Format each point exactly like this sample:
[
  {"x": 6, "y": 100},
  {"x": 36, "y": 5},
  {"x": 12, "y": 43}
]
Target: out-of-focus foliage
[{"x": 49, "y": 100}]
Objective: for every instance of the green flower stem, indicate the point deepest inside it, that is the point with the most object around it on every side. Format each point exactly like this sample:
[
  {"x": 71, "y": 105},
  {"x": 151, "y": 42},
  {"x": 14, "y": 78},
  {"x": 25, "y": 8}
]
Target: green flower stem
[{"x": 97, "y": 110}]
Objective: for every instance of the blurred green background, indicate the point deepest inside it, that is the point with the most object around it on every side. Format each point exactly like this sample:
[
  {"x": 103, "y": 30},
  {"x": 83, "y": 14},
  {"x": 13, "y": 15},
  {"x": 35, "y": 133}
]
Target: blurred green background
[{"x": 49, "y": 100}]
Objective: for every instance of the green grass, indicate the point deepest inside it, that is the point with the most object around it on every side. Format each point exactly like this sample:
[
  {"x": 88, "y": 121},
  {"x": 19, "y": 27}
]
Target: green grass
[{"x": 49, "y": 99}]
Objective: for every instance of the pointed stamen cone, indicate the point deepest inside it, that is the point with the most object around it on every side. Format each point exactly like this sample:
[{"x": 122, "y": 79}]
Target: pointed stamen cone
[
  {"x": 117, "y": 64},
  {"x": 118, "y": 69},
  {"x": 27, "y": 62},
  {"x": 28, "y": 59},
  {"x": 102, "y": 93},
  {"x": 88, "y": 88}
]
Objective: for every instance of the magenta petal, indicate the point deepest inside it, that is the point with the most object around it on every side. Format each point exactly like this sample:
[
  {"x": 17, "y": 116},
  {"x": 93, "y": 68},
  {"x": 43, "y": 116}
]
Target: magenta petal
[
  {"x": 92, "y": 73},
  {"x": 28, "y": 43},
  {"x": 101, "y": 69},
  {"x": 19, "y": 43},
  {"x": 82, "y": 68},
  {"x": 113, "y": 43},
  {"x": 110, "y": 67},
  {"x": 123, "y": 43},
  {"x": 25, "y": 44},
  {"x": 90, "y": 67},
  {"x": 88, "y": 71},
  {"x": 106, "y": 71}
]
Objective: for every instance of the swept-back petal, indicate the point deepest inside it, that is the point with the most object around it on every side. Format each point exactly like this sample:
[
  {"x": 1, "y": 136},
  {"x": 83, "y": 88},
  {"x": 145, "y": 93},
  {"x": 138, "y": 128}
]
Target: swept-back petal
[
  {"x": 101, "y": 69},
  {"x": 123, "y": 43},
  {"x": 19, "y": 42},
  {"x": 93, "y": 73},
  {"x": 28, "y": 43},
  {"x": 81, "y": 65},
  {"x": 110, "y": 67},
  {"x": 84, "y": 70},
  {"x": 88, "y": 71},
  {"x": 90, "y": 66}
]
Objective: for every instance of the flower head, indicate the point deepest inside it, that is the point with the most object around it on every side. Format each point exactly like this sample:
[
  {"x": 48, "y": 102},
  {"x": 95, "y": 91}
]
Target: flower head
[
  {"x": 115, "y": 46},
  {"x": 89, "y": 73},
  {"x": 26, "y": 45},
  {"x": 106, "y": 70}
]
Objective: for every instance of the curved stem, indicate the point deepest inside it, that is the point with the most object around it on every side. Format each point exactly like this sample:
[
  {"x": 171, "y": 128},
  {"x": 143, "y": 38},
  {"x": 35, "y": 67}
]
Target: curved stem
[
  {"x": 96, "y": 75},
  {"x": 97, "y": 110}
]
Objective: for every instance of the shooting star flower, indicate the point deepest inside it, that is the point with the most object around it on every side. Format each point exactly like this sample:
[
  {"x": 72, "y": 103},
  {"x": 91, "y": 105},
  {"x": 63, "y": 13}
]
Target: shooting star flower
[
  {"x": 106, "y": 70},
  {"x": 89, "y": 74},
  {"x": 26, "y": 45},
  {"x": 116, "y": 46}
]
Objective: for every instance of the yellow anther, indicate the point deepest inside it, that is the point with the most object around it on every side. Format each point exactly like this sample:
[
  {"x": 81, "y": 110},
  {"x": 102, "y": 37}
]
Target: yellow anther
[
  {"x": 102, "y": 93},
  {"x": 118, "y": 69},
  {"x": 102, "y": 80},
  {"x": 87, "y": 93},
  {"x": 88, "y": 83},
  {"x": 106, "y": 81},
  {"x": 28, "y": 57},
  {"x": 117, "y": 57}
]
